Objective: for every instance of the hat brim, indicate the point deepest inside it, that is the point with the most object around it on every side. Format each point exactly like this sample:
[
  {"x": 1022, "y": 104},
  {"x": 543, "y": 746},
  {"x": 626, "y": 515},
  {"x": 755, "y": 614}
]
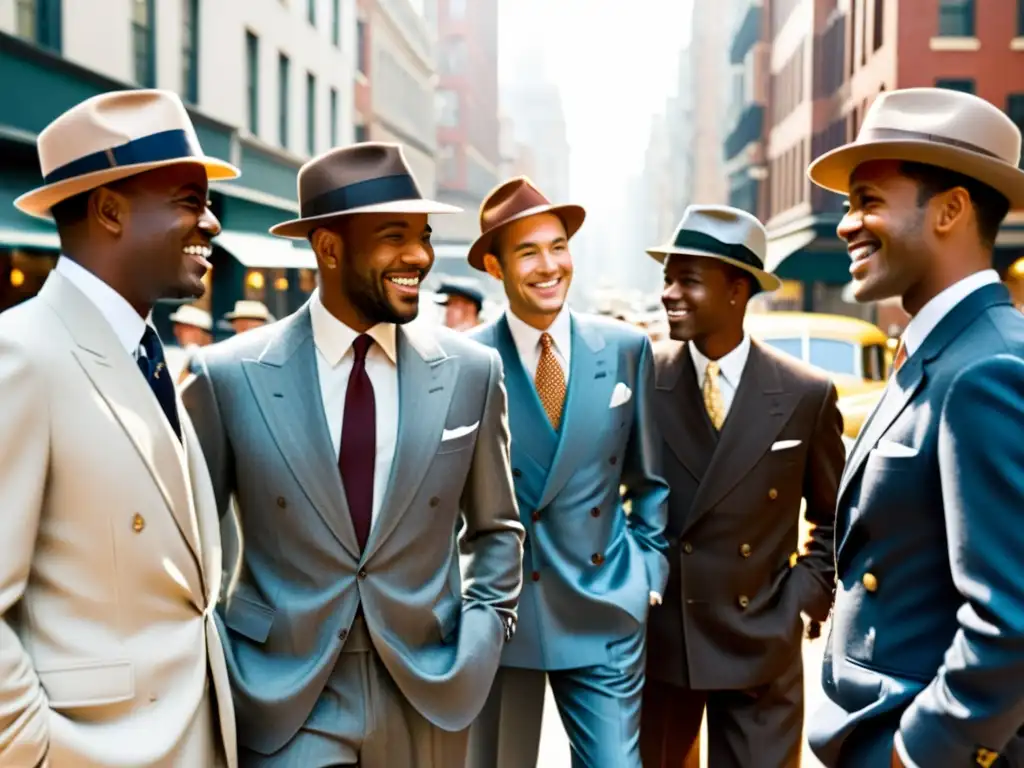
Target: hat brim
[
  {"x": 299, "y": 229},
  {"x": 572, "y": 217},
  {"x": 766, "y": 280},
  {"x": 39, "y": 201},
  {"x": 832, "y": 170}
]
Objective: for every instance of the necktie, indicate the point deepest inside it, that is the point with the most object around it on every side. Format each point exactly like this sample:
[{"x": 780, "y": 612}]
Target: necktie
[
  {"x": 550, "y": 381},
  {"x": 358, "y": 452},
  {"x": 713, "y": 402},
  {"x": 900, "y": 358},
  {"x": 154, "y": 368}
]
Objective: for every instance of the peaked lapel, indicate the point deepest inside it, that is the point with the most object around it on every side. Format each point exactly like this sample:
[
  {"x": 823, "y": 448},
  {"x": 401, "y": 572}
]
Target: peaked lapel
[
  {"x": 117, "y": 379},
  {"x": 684, "y": 423},
  {"x": 592, "y": 376},
  {"x": 759, "y": 411},
  {"x": 285, "y": 385},
  {"x": 426, "y": 383}
]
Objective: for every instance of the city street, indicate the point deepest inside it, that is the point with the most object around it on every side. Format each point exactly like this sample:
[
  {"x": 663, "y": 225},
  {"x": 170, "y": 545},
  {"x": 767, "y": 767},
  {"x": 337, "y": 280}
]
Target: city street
[{"x": 554, "y": 748}]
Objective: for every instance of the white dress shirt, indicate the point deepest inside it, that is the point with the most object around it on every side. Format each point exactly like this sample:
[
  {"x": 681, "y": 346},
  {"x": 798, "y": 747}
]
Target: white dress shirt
[
  {"x": 527, "y": 340},
  {"x": 730, "y": 370},
  {"x": 931, "y": 314},
  {"x": 126, "y": 323},
  {"x": 334, "y": 358}
]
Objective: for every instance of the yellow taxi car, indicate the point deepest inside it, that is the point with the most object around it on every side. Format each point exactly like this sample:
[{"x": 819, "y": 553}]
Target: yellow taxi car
[{"x": 855, "y": 353}]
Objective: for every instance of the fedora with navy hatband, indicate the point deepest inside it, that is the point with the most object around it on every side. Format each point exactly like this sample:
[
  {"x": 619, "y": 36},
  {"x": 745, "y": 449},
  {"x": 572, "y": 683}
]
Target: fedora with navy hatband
[
  {"x": 369, "y": 177},
  {"x": 110, "y": 137},
  {"x": 723, "y": 233}
]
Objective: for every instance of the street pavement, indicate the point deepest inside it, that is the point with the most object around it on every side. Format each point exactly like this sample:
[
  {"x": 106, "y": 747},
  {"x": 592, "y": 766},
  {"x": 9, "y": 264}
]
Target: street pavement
[{"x": 554, "y": 747}]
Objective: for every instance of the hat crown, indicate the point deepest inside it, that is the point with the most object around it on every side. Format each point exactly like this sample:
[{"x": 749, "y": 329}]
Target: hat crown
[
  {"x": 728, "y": 225},
  {"x": 110, "y": 120},
  {"x": 509, "y": 200},
  {"x": 345, "y": 166},
  {"x": 943, "y": 116}
]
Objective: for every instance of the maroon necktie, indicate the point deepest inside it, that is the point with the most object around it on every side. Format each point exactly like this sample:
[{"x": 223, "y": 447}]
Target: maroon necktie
[{"x": 358, "y": 452}]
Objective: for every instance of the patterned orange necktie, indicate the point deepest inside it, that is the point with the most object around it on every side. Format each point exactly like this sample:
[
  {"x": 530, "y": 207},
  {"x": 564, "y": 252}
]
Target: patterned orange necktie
[
  {"x": 550, "y": 381},
  {"x": 900, "y": 358}
]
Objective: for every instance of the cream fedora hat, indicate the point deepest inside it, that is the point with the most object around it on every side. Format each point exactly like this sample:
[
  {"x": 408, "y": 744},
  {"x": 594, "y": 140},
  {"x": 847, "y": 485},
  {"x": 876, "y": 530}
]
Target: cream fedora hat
[
  {"x": 369, "y": 177},
  {"x": 187, "y": 314},
  {"x": 247, "y": 309},
  {"x": 724, "y": 233},
  {"x": 113, "y": 136},
  {"x": 948, "y": 129}
]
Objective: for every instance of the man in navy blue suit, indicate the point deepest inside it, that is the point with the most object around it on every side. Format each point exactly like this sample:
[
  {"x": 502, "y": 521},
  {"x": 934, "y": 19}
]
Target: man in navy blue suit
[{"x": 925, "y": 661}]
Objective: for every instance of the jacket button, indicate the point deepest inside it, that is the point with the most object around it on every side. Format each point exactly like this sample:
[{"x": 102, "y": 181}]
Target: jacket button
[
  {"x": 773, "y": 494},
  {"x": 687, "y": 547},
  {"x": 434, "y": 501},
  {"x": 535, "y": 516},
  {"x": 535, "y": 576},
  {"x": 138, "y": 522},
  {"x": 361, "y": 574},
  {"x": 516, "y": 473},
  {"x": 743, "y": 600},
  {"x": 745, "y": 550},
  {"x": 281, "y": 502},
  {"x": 597, "y": 558},
  {"x": 613, "y": 460},
  {"x": 870, "y": 582},
  {"x": 342, "y": 635},
  {"x": 595, "y": 512}
]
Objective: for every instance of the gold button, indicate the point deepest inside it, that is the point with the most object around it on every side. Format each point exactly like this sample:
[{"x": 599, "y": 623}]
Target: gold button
[
  {"x": 138, "y": 523},
  {"x": 597, "y": 558},
  {"x": 745, "y": 550},
  {"x": 870, "y": 582},
  {"x": 744, "y": 601},
  {"x": 986, "y": 758},
  {"x": 282, "y": 502},
  {"x": 687, "y": 547},
  {"x": 773, "y": 494}
]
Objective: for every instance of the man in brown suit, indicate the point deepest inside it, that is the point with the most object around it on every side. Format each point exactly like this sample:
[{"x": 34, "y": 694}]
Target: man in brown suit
[{"x": 749, "y": 433}]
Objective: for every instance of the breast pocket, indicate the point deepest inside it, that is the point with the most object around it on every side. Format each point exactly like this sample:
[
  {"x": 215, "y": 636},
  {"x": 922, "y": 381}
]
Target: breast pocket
[{"x": 455, "y": 440}]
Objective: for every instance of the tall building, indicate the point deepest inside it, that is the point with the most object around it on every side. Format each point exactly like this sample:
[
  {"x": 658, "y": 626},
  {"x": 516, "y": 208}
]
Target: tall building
[
  {"x": 267, "y": 82},
  {"x": 829, "y": 60}
]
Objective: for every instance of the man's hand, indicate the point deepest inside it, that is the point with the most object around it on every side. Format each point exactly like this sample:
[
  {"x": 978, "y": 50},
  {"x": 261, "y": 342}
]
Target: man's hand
[{"x": 655, "y": 598}]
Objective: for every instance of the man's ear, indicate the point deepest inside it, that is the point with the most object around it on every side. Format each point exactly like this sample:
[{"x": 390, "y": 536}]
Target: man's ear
[
  {"x": 953, "y": 207},
  {"x": 110, "y": 209},
  {"x": 329, "y": 248},
  {"x": 493, "y": 266}
]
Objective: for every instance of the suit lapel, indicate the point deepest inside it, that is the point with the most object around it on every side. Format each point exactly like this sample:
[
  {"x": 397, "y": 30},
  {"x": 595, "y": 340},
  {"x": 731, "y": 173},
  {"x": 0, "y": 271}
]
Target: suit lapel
[
  {"x": 119, "y": 383},
  {"x": 759, "y": 411},
  {"x": 426, "y": 383},
  {"x": 592, "y": 376},
  {"x": 684, "y": 422},
  {"x": 285, "y": 385}
]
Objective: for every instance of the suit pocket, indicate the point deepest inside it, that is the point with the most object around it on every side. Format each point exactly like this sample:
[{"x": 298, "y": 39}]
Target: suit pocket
[
  {"x": 249, "y": 618},
  {"x": 457, "y": 444},
  {"x": 91, "y": 684}
]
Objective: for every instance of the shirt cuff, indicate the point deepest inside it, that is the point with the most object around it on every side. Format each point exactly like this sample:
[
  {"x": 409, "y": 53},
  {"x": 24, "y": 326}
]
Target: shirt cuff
[
  {"x": 655, "y": 598},
  {"x": 901, "y": 750}
]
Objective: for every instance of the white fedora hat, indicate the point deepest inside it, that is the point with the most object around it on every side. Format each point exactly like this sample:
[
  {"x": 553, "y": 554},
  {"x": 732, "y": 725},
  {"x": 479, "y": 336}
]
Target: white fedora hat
[
  {"x": 724, "y": 233},
  {"x": 113, "y": 136},
  {"x": 189, "y": 314},
  {"x": 247, "y": 309},
  {"x": 937, "y": 126}
]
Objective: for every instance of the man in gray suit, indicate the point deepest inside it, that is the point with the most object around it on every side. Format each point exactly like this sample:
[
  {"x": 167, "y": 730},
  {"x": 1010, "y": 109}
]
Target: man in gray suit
[
  {"x": 582, "y": 428},
  {"x": 354, "y": 446}
]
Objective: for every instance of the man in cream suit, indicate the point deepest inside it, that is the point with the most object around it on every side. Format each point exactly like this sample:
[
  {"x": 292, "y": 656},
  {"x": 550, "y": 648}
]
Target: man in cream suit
[
  {"x": 110, "y": 558},
  {"x": 355, "y": 445}
]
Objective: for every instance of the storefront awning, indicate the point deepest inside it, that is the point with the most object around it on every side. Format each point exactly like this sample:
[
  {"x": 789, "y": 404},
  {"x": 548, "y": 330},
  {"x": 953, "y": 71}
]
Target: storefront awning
[
  {"x": 29, "y": 237},
  {"x": 265, "y": 252},
  {"x": 783, "y": 247}
]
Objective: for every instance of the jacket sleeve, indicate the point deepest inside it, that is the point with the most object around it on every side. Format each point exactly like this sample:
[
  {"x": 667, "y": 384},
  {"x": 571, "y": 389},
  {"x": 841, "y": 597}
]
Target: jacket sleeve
[
  {"x": 24, "y": 463},
  {"x": 200, "y": 399},
  {"x": 646, "y": 491},
  {"x": 974, "y": 705}
]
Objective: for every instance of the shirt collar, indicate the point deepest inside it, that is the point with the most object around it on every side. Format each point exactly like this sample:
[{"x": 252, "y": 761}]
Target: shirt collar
[
  {"x": 334, "y": 339},
  {"x": 730, "y": 366},
  {"x": 528, "y": 338},
  {"x": 931, "y": 314},
  {"x": 127, "y": 324}
]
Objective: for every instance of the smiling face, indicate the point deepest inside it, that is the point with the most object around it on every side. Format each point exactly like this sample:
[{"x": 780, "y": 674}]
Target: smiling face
[
  {"x": 534, "y": 264},
  {"x": 703, "y": 297}
]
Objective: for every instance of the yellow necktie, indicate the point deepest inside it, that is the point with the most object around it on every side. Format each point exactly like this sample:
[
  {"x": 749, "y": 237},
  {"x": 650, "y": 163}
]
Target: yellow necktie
[
  {"x": 550, "y": 381},
  {"x": 713, "y": 402}
]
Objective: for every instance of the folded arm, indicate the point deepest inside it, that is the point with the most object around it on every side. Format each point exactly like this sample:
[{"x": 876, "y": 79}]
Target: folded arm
[
  {"x": 975, "y": 703},
  {"x": 24, "y": 461}
]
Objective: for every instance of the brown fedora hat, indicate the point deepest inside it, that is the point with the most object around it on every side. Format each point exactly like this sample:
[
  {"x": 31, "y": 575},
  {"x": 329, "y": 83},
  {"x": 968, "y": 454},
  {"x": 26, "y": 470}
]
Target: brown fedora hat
[
  {"x": 513, "y": 200},
  {"x": 937, "y": 126},
  {"x": 370, "y": 177},
  {"x": 113, "y": 136}
]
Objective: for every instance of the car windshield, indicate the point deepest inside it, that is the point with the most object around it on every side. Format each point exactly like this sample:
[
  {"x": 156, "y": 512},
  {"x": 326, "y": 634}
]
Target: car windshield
[{"x": 832, "y": 355}]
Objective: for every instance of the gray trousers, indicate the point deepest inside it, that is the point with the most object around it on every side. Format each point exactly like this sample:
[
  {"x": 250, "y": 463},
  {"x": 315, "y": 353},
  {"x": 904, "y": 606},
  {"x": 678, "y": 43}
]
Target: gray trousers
[{"x": 362, "y": 719}]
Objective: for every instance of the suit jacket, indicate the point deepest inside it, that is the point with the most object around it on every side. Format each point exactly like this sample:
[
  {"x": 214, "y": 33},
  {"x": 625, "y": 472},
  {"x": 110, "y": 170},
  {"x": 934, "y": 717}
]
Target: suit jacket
[
  {"x": 259, "y": 412},
  {"x": 588, "y": 568},
  {"x": 731, "y": 617},
  {"x": 109, "y": 555},
  {"x": 928, "y": 626}
]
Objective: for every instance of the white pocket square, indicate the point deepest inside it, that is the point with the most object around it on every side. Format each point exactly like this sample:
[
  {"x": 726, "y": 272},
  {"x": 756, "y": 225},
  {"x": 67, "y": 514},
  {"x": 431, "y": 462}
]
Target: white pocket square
[
  {"x": 621, "y": 394},
  {"x": 452, "y": 434},
  {"x": 782, "y": 445},
  {"x": 893, "y": 450}
]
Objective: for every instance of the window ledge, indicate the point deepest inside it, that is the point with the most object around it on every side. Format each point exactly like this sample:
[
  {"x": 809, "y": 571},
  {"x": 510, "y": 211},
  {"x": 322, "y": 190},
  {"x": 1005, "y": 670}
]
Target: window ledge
[
  {"x": 1017, "y": 44},
  {"x": 954, "y": 44}
]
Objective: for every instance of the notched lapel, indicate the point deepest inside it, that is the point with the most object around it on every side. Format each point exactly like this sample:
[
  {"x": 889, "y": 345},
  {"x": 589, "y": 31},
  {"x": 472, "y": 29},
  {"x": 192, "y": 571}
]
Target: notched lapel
[
  {"x": 285, "y": 385},
  {"x": 426, "y": 383},
  {"x": 683, "y": 424}
]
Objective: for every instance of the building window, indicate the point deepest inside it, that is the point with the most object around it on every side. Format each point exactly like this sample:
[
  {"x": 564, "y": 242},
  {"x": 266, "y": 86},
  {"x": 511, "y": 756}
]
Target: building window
[
  {"x": 311, "y": 11},
  {"x": 956, "y": 18},
  {"x": 456, "y": 9},
  {"x": 38, "y": 21},
  {"x": 964, "y": 85},
  {"x": 252, "y": 84},
  {"x": 144, "y": 42},
  {"x": 283, "y": 75},
  {"x": 190, "y": 50},
  {"x": 362, "y": 133},
  {"x": 311, "y": 113},
  {"x": 334, "y": 117},
  {"x": 447, "y": 108},
  {"x": 879, "y": 32},
  {"x": 1015, "y": 111},
  {"x": 853, "y": 37},
  {"x": 336, "y": 24},
  {"x": 1020, "y": 18},
  {"x": 362, "y": 49}
]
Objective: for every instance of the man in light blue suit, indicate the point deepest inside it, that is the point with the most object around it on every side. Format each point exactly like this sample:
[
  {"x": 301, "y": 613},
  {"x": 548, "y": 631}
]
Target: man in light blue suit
[{"x": 579, "y": 392}]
